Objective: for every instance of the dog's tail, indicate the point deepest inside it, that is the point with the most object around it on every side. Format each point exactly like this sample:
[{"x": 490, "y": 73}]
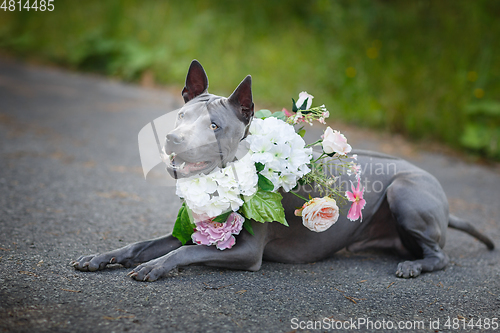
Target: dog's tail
[{"x": 459, "y": 224}]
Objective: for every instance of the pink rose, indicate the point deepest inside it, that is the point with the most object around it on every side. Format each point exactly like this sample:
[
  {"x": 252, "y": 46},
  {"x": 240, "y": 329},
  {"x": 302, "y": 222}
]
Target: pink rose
[
  {"x": 319, "y": 214},
  {"x": 209, "y": 232},
  {"x": 335, "y": 142}
]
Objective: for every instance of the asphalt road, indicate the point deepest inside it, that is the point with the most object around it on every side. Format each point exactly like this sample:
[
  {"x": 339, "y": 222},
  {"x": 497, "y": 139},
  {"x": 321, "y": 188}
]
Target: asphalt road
[{"x": 71, "y": 184}]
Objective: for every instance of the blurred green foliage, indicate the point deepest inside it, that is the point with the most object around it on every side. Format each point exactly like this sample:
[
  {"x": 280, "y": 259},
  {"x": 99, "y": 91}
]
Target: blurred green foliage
[
  {"x": 482, "y": 129},
  {"x": 427, "y": 69}
]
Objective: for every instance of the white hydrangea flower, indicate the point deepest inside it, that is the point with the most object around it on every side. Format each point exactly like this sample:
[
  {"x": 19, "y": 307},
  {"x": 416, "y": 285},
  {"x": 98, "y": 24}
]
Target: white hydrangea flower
[
  {"x": 299, "y": 157},
  {"x": 287, "y": 180},
  {"x": 281, "y": 151},
  {"x": 261, "y": 148},
  {"x": 303, "y": 170},
  {"x": 213, "y": 194},
  {"x": 256, "y": 127},
  {"x": 287, "y": 158},
  {"x": 212, "y": 209}
]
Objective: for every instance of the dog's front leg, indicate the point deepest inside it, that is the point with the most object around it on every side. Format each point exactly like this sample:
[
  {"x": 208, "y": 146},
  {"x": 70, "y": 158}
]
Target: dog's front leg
[
  {"x": 129, "y": 255},
  {"x": 246, "y": 254}
]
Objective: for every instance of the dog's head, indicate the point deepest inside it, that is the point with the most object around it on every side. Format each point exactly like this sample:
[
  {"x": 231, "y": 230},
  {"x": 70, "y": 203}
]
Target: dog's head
[{"x": 208, "y": 128}]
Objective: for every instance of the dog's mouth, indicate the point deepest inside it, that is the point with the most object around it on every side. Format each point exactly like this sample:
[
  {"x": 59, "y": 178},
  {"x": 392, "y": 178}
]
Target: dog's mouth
[{"x": 180, "y": 168}]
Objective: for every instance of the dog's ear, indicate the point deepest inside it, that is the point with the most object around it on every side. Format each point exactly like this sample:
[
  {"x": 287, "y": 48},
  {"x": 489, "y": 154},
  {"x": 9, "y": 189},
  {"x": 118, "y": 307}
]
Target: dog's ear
[
  {"x": 196, "y": 81},
  {"x": 242, "y": 99}
]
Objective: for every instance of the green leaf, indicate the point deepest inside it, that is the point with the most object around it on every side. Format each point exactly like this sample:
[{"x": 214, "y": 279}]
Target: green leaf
[
  {"x": 248, "y": 226},
  {"x": 264, "y": 207},
  {"x": 304, "y": 105},
  {"x": 263, "y": 114},
  {"x": 330, "y": 155},
  {"x": 259, "y": 166},
  {"x": 294, "y": 106},
  {"x": 265, "y": 184},
  {"x": 302, "y": 132},
  {"x": 222, "y": 217},
  {"x": 301, "y": 108},
  {"x": 279, "y": 115},
  {"x": 183, "y": 227}
]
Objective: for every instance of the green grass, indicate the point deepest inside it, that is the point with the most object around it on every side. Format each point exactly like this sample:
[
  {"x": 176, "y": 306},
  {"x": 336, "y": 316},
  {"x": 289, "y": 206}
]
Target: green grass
[{"x": 411, "y": 67}]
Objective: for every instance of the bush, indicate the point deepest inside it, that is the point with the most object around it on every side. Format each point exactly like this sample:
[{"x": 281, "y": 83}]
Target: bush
[{"x": 413, "y": 67}]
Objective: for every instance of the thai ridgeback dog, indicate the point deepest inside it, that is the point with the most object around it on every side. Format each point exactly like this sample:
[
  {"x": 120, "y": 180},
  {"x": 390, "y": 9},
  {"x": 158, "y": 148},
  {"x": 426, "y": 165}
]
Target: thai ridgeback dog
[{"x": 406, "y": 209}]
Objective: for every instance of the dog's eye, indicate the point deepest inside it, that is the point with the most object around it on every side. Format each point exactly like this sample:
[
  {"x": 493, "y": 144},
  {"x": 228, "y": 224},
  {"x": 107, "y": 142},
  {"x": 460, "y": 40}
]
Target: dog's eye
[
  {"x": 213, "y": 126},
  {"x": 181, "y": 115}
]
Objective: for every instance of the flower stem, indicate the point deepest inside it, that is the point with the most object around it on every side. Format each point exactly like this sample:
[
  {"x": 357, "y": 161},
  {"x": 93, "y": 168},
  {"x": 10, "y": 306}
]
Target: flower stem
[
  {"x": 298, "y": 195},
  {"x": 316, "y": 160},
  {"x": 314, "y": 143}
]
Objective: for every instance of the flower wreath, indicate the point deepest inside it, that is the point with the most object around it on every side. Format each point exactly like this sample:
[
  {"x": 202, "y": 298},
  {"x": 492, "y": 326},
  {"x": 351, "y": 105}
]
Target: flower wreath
[{"x": 219, "y": 205}]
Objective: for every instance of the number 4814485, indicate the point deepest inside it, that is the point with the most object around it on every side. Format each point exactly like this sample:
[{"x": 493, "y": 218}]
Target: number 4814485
[
  {"x": 36, "y": 5},
  {"x": 463, "y": 324}
]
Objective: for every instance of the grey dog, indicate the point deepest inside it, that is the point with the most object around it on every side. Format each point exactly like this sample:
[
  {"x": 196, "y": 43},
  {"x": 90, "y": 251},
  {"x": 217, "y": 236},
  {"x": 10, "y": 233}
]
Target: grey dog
[{"x": 408, "y": 211}]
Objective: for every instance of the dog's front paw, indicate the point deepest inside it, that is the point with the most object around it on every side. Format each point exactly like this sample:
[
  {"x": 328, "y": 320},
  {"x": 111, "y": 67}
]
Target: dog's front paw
[
  {"x": 408, "y": 269},
  {"x": 92, "y": 262},
  {"x": 152, "y": 270}
]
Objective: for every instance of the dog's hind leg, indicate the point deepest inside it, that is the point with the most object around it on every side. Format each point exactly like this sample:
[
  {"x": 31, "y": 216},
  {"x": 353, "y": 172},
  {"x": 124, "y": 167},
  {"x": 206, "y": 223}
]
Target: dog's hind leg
[
  {"x": 246, "y": 254},
  {"x": 129, "y": 255},
  {"x": 420, "y": 208}
]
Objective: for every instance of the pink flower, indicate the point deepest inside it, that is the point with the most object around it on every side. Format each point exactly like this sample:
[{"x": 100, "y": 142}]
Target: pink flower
[
  {"x": 286, "y": 112},
  {"x": 298, "y": 118},
  {"x": 358, "y": 203},
  {"x": 208, "y": 232},
  {"x": 319, "y": 214},
  {"x": 354, "y": 169},
  {"x": 335, "y": 142}
]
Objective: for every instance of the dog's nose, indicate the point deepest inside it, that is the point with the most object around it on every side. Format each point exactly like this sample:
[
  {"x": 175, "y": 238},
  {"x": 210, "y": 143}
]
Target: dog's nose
[{"x": 174, "y": 138}]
